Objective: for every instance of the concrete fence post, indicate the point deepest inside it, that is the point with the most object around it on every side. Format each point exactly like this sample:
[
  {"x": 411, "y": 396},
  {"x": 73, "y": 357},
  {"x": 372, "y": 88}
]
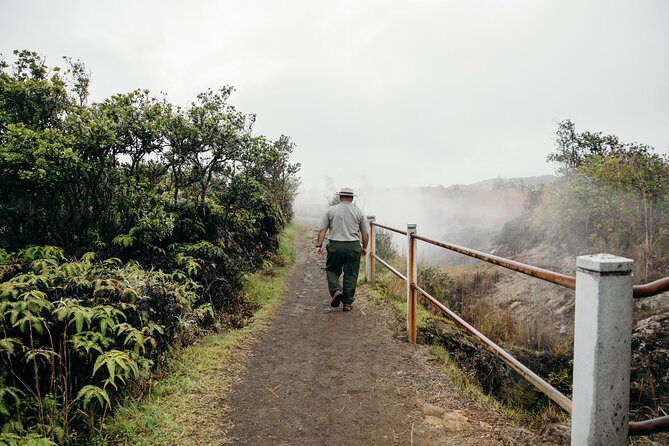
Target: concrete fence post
[
  {"x": 602, "y": 351},
  {"x": 411, "y": 280},
  {"x": 369, "y": 259}
]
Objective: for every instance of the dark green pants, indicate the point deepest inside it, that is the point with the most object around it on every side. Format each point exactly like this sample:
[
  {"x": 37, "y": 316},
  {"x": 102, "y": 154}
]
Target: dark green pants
[{"x": 343, "y": 257}]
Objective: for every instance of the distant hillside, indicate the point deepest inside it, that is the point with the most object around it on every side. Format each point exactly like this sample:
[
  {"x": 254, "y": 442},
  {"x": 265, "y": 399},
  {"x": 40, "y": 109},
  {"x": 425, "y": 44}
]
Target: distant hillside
[{"x": 493, "y": 183}]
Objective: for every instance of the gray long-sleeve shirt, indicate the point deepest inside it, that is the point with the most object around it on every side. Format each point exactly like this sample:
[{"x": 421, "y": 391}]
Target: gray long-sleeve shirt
[{"x": 345, "y": 221}]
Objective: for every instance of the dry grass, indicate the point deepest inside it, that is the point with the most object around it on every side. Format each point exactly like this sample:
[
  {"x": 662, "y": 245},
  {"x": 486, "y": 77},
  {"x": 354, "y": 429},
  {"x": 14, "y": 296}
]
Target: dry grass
[{"x": 468, "y": 290}]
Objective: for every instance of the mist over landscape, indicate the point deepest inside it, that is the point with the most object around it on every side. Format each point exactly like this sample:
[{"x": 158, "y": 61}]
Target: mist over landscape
[
  {"x": 469, "y": 215},
  {"x": 164, "y": 166}
]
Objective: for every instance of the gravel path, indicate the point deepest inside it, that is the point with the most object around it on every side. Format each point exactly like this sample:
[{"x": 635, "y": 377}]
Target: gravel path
[{"x": 320, "y": 376}]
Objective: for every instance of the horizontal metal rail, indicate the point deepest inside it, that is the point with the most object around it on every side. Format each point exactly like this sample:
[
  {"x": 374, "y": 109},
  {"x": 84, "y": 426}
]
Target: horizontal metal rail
[
  {"x": 393, "y": 270},
  {"x": 648, "y": 427},
  {"x": 544, "y": 274},
  {"x": 638, "y": 291},
  {"x": 651, "y": 289},
  {"x": 551, "y": 392},
  {"x": 399, "y": 231}
]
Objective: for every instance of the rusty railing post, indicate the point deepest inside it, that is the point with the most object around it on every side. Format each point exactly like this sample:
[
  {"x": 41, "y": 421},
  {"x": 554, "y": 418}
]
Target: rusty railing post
[
  {"x": 411, "y": 282},
  {"x": 369, "y": 259},
  {"x": 602, "y": 350}
]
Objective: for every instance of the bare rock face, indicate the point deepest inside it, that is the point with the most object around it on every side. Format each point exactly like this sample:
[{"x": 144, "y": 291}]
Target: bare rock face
[
  {"x": 650, "y": 366},
  {"x": 454, "y": 421}
]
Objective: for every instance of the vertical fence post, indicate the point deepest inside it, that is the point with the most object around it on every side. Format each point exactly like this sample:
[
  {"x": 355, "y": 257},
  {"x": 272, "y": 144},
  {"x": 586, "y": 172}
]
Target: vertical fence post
[
  {"x": 602, "y": 350},
  {"x": 411, "y": 280},
  {"x": 369, "y": 260}
]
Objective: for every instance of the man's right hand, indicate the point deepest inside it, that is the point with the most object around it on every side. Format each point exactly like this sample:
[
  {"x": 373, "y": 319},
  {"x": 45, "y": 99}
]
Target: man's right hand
[{"x": 319, "y": 251}]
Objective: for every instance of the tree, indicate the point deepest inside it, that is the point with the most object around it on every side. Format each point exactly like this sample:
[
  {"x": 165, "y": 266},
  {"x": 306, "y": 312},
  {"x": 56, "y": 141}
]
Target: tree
[
  {"x": 615, "y": 194},
  {"x": 157, "y": 213},
  {"x": 574, "y": 148}
]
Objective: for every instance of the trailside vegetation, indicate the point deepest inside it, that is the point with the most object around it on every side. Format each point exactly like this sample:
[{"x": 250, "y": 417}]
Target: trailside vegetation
[
  {"x": 612, "y": 197},
  {"x": 126, "y": 227}
]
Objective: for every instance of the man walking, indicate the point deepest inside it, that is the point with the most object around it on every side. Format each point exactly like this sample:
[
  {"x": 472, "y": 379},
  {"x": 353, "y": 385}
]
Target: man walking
[{"x": 347, "y": 225}]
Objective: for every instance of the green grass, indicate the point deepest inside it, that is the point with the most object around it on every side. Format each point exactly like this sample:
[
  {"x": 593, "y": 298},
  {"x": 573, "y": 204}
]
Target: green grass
[
  {"x": 186, "y": 406},
  {"x": 393, "y": 290}
]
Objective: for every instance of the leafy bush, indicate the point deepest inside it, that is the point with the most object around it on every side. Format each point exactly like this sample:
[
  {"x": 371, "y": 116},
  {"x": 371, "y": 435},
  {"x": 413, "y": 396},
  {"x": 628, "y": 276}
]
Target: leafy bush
[
  {"x": 614, "y": 197},
  {"x": 438, "y": 283},
  {"x": 126, "y": 227}
]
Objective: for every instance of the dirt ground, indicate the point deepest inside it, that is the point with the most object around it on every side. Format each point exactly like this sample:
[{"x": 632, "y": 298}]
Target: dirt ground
[{"x": 320, "y": 376}]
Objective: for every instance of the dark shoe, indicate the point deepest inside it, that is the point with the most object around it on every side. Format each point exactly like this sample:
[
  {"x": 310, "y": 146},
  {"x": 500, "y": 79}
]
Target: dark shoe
[
  {"x": 336, "y": 299},
  {"x": 347, "y": 307}
]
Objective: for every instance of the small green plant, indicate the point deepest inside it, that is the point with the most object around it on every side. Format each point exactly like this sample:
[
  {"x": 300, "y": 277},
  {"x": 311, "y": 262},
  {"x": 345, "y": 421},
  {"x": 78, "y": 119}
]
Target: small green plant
[{"x": 66, "y": 354}]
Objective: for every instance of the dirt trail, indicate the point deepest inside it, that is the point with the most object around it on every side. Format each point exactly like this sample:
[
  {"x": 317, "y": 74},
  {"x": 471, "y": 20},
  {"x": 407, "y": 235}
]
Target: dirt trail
[{"x": 320, "y": 376}]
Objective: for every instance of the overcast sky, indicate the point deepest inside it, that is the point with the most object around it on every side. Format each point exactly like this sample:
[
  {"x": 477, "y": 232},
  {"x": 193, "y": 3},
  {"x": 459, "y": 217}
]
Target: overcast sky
[{"x": 382, "y": 93}]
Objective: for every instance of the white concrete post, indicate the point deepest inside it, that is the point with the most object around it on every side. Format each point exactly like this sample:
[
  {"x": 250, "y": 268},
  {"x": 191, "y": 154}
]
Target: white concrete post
[
  {"x": 602, "y": 351},
  {"x": 412, "y": 273},
  {"x": 369, "y": 260}
]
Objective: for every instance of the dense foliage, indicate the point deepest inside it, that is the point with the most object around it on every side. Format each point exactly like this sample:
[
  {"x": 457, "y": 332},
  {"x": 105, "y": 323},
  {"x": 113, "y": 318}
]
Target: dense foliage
[
  {"x": 612, "y": 197},
  {"x": 125, "y": 227}
]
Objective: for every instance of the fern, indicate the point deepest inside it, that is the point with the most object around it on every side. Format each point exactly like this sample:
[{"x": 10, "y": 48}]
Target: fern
[
  {"x": 107, "y": 317},
  {"x": 192, "y": 266},
  {"x": 26, "y": 312},
  {"x": 10, "y": 290},
  {"x": 32, "y": 253},
  {"x": 90, "y": 340},
  {"x": 125, "y": 240},
  {"x": 88, "y": 257},
  {"x": 152, "y": 326},
  {"x": 11, "y": 439},
  {"x": 112, "y": 261},
  {"x": 5, "y": 257},
  {"x": 31, "y": 279},
  {"x": 8, "y": 345},
  {"x": 90, "y": 392},
  {"x": 11, "y": 392},
  {"x": 72, "y": 269},
  {"x": 119, "y": 365},
  {"x": 45, "y": 355},
  {"x": 203, "y": 311},
  {"x": 70, "y": 311},
  {"x": 135, "y": 339},
  {"x": 44, "y": 266}
]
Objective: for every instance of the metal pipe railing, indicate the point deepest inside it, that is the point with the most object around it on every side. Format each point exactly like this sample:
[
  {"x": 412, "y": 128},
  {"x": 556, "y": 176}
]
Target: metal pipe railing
[
  {"x": 543, "y": 274},
  {"x": 638, "y": 291},
  {"x": 651, "y": 289},
  {"x": 551, "y": 392},
  {"x": 654, "y": 426},
  {"x": 392, "y": 270},
  {"x": 399, "y": 231}
]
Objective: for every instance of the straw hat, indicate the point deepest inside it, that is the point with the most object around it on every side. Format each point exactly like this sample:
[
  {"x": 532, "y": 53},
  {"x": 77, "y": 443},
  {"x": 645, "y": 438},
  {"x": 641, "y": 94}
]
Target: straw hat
[{"x": 346, "y": 192}]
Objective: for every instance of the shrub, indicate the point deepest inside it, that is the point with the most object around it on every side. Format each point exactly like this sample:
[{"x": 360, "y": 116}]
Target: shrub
[{"x": 126, "y": 227}]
